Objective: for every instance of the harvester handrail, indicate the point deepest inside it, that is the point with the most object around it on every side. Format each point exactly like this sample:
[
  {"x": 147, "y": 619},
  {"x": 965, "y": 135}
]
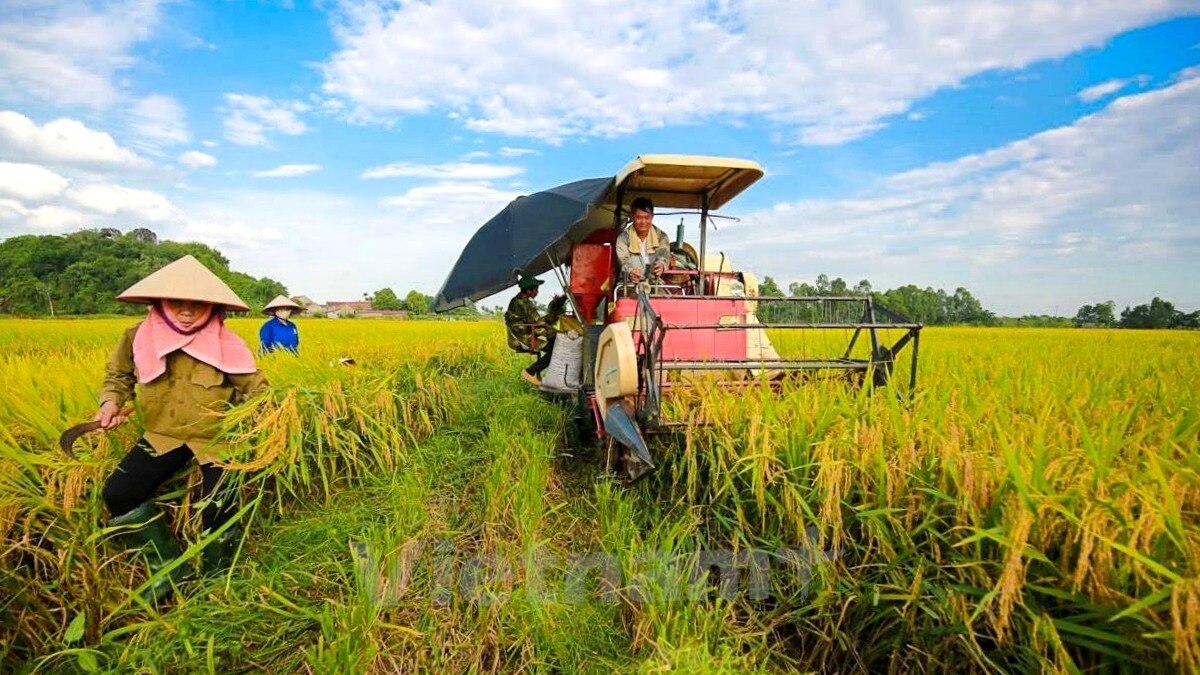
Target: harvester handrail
[
  {"x": 653, "y": 365},
  {"x": 896, "y": 317},
  {"x": 756, "y": 326},
  {"x": 774, "y": 298},
  {"x": 795, "y": 364}
]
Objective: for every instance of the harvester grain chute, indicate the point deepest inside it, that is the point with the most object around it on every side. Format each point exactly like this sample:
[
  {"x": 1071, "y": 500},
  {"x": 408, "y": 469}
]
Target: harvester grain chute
[{"x": 702, "y": 320}]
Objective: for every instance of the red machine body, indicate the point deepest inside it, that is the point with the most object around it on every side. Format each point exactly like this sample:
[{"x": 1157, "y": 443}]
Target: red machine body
[
  {"x": 695, "y": 344},
  {"x": 592, "y": 271}
]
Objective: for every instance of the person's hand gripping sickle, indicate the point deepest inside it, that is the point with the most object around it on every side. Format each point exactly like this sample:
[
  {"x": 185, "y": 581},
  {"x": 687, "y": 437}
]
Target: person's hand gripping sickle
[{"x": 110, "y": 416}]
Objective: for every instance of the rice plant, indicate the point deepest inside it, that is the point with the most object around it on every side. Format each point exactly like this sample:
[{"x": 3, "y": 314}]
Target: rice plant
[{"x": 1035, "y": 506}]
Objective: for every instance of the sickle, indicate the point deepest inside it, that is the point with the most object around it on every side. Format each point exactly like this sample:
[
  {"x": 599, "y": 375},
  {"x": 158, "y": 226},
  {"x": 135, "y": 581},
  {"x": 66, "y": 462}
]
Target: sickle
[{"x": 68, "y": 438}]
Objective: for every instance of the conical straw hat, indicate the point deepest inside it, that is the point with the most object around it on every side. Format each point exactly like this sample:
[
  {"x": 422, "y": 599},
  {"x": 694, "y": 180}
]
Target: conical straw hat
[
  {"x": 281, "y": 301},
  {"x": 184, "y": 279}
]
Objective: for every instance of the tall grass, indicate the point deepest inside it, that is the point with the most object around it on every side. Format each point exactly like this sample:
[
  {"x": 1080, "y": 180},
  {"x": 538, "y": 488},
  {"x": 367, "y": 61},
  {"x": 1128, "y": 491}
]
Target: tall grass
[{"x": 1036, "y": 506}]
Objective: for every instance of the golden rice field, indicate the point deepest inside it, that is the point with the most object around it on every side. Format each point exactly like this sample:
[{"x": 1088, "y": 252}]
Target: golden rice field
[{"x": 1035, "y": 507}]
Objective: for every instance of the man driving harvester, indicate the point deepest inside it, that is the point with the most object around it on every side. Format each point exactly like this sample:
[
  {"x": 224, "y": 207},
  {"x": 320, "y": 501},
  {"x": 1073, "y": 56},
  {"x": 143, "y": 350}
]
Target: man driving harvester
[{"x": 642, "y": 244}]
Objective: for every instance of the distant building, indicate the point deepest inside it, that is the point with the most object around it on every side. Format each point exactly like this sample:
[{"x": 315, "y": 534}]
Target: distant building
[
  {"x": 337, "y": 308},
  {"x": 311, "y": 306},
  {"x": 384, "y": 314},
  {"x": 343, "y": 308}
]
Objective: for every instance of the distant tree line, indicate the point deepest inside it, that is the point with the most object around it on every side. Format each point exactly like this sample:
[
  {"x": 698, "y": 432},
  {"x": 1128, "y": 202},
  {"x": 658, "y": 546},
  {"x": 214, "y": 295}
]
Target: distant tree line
[
  {"x": 415, "y": 303},
  {"x": 1037, "y": 321},
  {"x": 924, "y": 305},
  {"x": 82, "y": 273},
  {"x": 937, "y": 307},
  {"x": 1157, "y": 313}
]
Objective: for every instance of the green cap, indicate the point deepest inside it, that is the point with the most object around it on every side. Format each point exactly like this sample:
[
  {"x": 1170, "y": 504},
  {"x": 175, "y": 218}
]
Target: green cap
[{"x": 525, "y": 283}]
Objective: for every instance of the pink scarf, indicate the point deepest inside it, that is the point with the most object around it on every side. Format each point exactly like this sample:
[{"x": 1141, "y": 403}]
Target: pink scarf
[{"x": 213, "y": 344}]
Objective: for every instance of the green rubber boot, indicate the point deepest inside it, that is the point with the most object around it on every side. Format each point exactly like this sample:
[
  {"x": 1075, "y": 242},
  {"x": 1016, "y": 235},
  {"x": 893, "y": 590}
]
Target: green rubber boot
[
  {"x": 145, "y": 529},
  {"x": 218, "y": 555}
]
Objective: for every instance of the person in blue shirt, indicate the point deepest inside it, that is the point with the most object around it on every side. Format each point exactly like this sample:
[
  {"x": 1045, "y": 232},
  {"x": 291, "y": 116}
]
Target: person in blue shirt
[{"x": 280, "y": 332}]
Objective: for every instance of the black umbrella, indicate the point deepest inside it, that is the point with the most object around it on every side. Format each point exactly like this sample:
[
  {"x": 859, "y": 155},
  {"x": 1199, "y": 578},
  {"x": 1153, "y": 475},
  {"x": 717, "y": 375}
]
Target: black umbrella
[{"x": 529, "y": 236}]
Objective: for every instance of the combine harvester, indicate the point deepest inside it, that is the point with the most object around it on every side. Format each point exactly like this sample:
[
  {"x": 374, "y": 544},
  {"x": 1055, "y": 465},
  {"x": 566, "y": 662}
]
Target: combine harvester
[{"x": 702, "y": 324}]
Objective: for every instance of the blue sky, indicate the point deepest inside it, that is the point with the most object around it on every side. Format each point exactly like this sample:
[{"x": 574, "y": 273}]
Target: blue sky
[{"x": 1042, "y": 153}]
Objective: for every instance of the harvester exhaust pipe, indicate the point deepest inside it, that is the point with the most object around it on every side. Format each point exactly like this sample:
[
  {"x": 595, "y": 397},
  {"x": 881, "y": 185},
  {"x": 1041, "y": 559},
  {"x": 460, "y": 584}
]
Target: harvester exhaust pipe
[{"x": 619, "y": 423}]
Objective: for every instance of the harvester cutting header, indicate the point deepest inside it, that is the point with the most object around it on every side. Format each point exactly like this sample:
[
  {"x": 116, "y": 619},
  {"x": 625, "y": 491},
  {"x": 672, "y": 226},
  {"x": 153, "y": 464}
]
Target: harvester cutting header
[{"x": 687, "y": 317}]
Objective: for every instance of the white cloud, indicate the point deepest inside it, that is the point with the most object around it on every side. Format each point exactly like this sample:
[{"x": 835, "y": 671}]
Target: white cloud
[
  {"x": 111, "y": 199},
  {"x": 68, "y": 52},
  {"x": 332, "y": 243},
  {"x": 459, "y": 195},
  {"x": 287, "y": 171},
  {"x": 250, "y": 118},
  {"x": 826, "y": 72},
  {"x": 30, "y": 182},
  {"x": 1103, "y": 206},
  {"x": 65, "y": 205},
  {"x": 1109, "y": 87},
  {"x": 229, "y": 229},
  {"x": 160, "y": 120},
  {"x": 194, "y": 159},
  {"x": 516, "y": 152},
  {"x": 50, "y": 217},
  {"x": 63, "y": 142},
  {"x": 451, "y": 171},
  {"x": 109, "y": 205},
  {"x": 36, "y": 198},
  {"x": 197, "y": 42}
]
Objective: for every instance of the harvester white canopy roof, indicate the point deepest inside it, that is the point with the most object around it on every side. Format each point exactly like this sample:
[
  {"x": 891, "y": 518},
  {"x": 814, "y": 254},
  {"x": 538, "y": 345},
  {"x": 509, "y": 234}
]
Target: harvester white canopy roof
[{"x": 682, "y": 181}]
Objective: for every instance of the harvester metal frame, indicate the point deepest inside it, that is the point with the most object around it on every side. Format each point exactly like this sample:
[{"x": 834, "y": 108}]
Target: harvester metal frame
[{"x": 654, "y": 364}]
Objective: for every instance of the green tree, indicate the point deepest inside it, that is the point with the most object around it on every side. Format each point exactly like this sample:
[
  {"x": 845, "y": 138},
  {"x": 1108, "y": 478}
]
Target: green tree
[
  {"x": 964, "y": 308},
  {"x": 769, "y": 288},
  {"x": 799, "y": 290},
  {"x": 1158, "y": 314},
  {"x": 82, "y": 272},
  {"x": 417, "y": 302},
  {"x": 386, "y": 298},
  {"x": 1100, "y": 314},
  {"x": 930, "y": 306}
]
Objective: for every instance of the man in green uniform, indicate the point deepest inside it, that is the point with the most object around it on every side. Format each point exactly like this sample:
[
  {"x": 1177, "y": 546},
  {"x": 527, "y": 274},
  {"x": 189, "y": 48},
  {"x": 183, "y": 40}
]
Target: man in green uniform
[{"x": 528, "y": 331}]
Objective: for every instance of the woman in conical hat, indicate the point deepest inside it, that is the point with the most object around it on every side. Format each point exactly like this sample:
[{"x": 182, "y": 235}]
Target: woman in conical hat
[
  {"x": 185, "y": 367},
  {"x": 279, "y": 332}
]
